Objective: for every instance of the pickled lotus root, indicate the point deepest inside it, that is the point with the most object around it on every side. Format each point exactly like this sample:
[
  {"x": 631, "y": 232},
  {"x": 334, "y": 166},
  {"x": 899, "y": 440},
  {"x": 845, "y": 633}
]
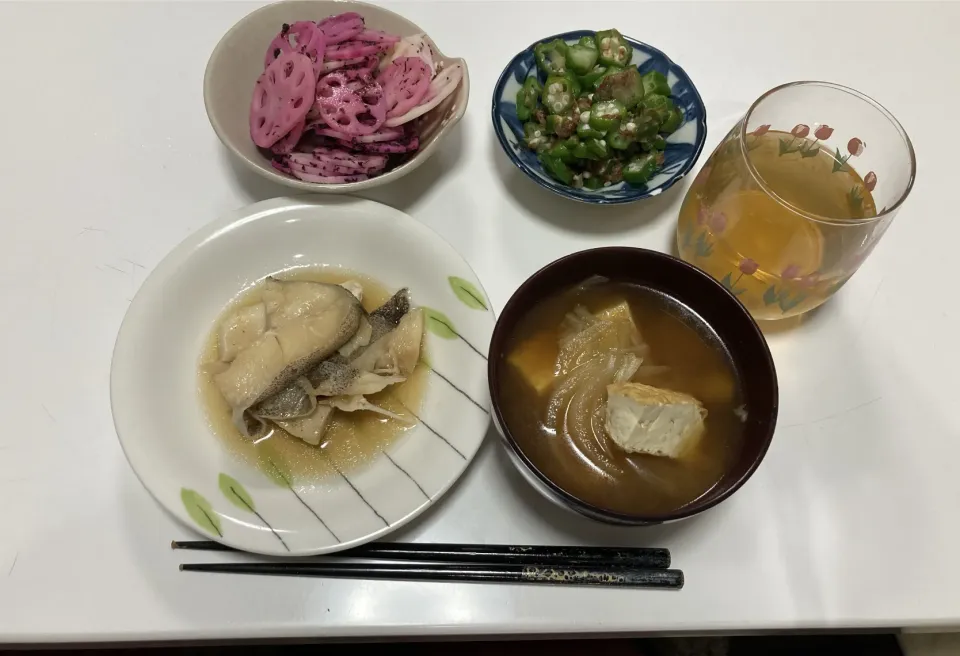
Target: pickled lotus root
[
  {"x": 405, "y": 82},
  {"x": 354, "y": 49},
  {"x": 357, "y": 120},
  {"x": 342, "y": 27},
  {"x": 445, "y": 82},
  {"x": 290, "y": 141},
  {"x": 282, "y": 96},
  {"x": 352, "y": 112},
  {"x": 303, "y": 37},
  {"x": 376, "y": 36}
]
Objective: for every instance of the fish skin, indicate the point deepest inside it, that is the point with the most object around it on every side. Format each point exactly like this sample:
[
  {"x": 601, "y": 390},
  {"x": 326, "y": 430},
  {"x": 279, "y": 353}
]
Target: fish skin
[{"x": 289, "y": 403}]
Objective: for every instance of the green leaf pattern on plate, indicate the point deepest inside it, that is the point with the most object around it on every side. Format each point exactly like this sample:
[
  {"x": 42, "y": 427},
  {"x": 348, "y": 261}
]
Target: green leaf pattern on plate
[
  {"x": 439, "y": 324},
  {"x": 468, "y": 293},
  {"x": 235, "y": 493},
  {"x": 275, "y": 473},
  {"x": 201, "y": 511}
]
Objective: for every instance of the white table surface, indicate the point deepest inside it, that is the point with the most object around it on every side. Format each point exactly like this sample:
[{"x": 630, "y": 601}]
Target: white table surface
[{"x": 109, "y": 161}]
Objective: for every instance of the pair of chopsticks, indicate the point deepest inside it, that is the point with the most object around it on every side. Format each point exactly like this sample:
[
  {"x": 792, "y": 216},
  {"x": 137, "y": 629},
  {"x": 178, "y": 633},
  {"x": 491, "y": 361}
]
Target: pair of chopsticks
[{"x": 636, "y": 567}]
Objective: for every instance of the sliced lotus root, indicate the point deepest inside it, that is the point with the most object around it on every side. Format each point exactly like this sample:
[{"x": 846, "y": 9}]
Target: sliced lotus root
[
  {"x": 376, "y": 36},
  {"x": 355, "y": 113},
  {"x": 361, "y": 162},
  {"x": 289, "y": 141},
  {"x": 341, "y": 27},
  {"x": 413, "y": 46},
  {"x": 303, "y": 37},
  {"x": 353, "y": 49},
  {"x": 330, "y": 65},
  {"x": 405, "y": 145},
  {"x": 442, "y": 86},
  {"x": 405, "y": 82},
  {"x": 328, "y": 179},
  {"x": 346, "y": 164},
  {"x": 383, "y": 134},
  {"x": 281, "y": 98}
]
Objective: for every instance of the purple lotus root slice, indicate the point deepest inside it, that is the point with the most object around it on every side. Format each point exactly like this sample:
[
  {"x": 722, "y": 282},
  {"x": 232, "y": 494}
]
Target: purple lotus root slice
[
  {"x": 282, "y": 96},
  {"x": 341, "y": 164},
  {"x": 303, "y": 37},
  {"x": 383, "y": 134},
  {"x": 353, "y": 49},
  {"x": 329, "y": 179},
  {"x": 362, "y": 71},
  {"x": 405, "y": 145},
  {"x": 330, "y": 65},
  {"x": 334, "y": 134},
  {"x": 413, "y": 46},
  {"x": 280, "y": 163},
  {"x": 305, "y": 163},
  {"x": 377, "y": 36},
  {"x": 341, "y": 27},
  {"x": 442, "y": 86},
  {"x": 290, "y": 140},
  {"x": 359, "y": 162},
  {"x": 405, "y": 82},
  {"x": 355, "y": 113}
]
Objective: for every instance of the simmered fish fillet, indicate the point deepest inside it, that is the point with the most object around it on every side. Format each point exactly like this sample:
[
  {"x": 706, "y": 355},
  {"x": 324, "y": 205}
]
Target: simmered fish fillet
[
  {"x": 240, "y": 329},
  {"x": 354, "y": 287},
  {"x": 336, "y": 372},
  {"x": 311, "y": 428},
  {"x": 360, "y": 339},
  {"x": 289, "y": 403},
  {"x": 359, "y": 403},
  {"x": 306, "y": 323},
  {"x": 389, "y": 360}
]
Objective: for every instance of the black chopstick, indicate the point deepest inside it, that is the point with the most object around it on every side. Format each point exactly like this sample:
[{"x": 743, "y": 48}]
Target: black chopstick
[
  {"x": 563, "y": 556},
  {"x": 598, "y": 576}
]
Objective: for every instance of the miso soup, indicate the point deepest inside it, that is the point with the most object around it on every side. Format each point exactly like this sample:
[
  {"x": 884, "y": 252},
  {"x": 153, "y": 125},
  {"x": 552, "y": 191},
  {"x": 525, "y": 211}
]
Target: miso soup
[{"x": 554, "y": 388}]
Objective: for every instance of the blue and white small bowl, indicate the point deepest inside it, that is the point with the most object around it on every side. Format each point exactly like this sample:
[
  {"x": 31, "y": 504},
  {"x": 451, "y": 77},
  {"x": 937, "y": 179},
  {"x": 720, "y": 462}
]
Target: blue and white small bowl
[{"x": 683, "y": 146}]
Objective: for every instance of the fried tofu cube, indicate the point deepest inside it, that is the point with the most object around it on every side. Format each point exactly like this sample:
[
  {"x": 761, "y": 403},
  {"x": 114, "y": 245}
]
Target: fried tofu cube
[{"x": 658, "y": 422}]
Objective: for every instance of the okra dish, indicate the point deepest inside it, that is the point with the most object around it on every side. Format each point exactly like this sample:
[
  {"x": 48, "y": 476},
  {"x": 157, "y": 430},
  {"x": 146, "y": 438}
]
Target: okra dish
[{"x": 591, "y": 117}]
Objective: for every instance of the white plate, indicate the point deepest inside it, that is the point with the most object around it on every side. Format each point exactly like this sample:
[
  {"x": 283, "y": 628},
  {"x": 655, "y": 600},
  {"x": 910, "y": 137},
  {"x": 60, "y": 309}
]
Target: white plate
[{"x": 163, "y": 429}]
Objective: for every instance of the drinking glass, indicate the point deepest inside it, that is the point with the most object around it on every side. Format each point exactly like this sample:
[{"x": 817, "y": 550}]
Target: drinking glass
[{"x": 796, "y": 196}]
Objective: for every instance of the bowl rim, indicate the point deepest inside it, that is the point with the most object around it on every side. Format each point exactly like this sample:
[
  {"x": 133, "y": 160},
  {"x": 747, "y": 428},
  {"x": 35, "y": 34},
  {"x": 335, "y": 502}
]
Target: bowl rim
[
  {"x": 501, "y": 333},
  {"x": 411, "y": 164},
  {"x": 598, "y": 199}
]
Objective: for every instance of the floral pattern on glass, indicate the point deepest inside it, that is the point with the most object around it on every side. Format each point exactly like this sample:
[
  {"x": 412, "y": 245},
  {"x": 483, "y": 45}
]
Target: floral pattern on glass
[{"x": 799, "y": 143}]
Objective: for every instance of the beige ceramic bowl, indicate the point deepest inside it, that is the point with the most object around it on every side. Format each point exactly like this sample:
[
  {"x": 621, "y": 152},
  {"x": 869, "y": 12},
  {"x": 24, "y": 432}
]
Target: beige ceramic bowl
[{"x": 237, "y": 62}]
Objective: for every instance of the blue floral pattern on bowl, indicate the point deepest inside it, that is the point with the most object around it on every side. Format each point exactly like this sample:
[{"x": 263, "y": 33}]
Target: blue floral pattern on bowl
[{"x": 683, "y": 146}]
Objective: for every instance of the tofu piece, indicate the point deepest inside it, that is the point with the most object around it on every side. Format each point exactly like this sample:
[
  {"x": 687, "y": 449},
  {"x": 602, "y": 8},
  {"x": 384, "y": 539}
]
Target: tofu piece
[
  {"x": 535, "y": 360},
  {"x": 654, "y": 421}
]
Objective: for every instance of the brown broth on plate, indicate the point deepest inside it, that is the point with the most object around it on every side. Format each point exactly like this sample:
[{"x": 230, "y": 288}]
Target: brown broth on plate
[
  {"x": 695, "y": 363},
  {"x": 352, "y": 438}
]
